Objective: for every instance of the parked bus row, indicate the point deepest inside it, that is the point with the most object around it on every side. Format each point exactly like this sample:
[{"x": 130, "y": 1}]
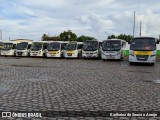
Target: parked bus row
[{"x": 142, "y": 49}]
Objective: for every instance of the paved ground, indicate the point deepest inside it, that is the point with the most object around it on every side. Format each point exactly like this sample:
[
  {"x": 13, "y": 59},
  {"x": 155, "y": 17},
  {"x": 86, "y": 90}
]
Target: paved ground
[{"x": 38, "y": 84}]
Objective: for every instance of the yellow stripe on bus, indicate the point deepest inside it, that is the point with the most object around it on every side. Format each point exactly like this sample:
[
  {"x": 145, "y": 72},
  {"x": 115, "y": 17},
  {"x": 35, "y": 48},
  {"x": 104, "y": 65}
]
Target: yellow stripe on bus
[
  {"x": 143, "y": 52},
  {"x": 69, "y": 52},
  {"x": 53, "y": 52}
]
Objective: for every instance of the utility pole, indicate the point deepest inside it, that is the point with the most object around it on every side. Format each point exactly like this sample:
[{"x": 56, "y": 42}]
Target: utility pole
[
  {"x": 140, "y": 28},
  {"x": 134, "y": 20}
]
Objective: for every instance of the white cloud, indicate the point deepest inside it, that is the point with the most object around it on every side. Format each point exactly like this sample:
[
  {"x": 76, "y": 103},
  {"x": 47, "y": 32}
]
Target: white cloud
[{"x": 97, "y": 18}]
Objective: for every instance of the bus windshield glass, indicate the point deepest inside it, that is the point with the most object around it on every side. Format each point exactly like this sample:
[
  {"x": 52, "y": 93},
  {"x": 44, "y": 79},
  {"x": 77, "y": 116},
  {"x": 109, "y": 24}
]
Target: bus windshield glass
[
  {"x": 90, "y": 45},
  {"x": 143, "y": 44},
  {"x": 1, "y": 45},
  {"x": 53, "y": 46},
  {"x": 7, "y": 46},
  {"x": 111, "y": 45},
  {"x": 22, "y": 46},
  {"x": 71, "y": 46},
  {"x": 37, "y": 46}
]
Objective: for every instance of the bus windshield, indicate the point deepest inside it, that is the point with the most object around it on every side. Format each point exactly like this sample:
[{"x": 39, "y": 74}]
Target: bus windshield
[
  {"x": 53, "y": 46},
  {"x": 143, "y": 44},
  {"x": 71, "y": 46},
  {"x": 111, "y": 45},
  {"x": 7, "y": 46},
  {"x": 1, "y": 45},
  {"x": 90, "y": 45},
  {"x": 37, "y": 46},
  {"x": 22, "y": 46}
]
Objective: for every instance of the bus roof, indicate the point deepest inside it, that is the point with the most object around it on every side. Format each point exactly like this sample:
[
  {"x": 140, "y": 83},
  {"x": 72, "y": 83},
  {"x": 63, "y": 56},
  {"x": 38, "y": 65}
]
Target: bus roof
[
  {"x": 21, "y": 40},
  {"x": 114, "y": 39},
  {"x": 59, "y": 41},
  {"x": 76, "y": 42},
  {"x": 8, "y": 42},
  {"x": 143, "y": 37},
  {"x": 92, "y": 40},
  {"x": 40, "y": 41},
  {"x": 25, "y": 42}
]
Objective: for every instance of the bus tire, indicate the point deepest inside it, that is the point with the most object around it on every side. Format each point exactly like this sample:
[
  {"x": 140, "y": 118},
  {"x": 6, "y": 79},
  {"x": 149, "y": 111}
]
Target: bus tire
[
  {"x": 131, "y": 63},
  {"x": 62, "y": 56},
  {"x": 44, "y": 55},
  {"x": 152, "y": 64},
  {"x": 120, "y": 59},
  {"x": 79, "y": 56},
  {"x": 104, "y": 59}
]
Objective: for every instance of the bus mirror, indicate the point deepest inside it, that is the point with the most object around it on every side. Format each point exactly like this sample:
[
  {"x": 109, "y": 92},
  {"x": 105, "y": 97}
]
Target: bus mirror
[
  {"x": 129, "y": 42},
  {"x": 157, "y": 41}
]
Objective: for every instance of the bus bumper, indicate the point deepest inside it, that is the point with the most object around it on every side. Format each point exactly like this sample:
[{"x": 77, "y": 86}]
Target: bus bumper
[
  {"x": 90, "y": 56},
  {"x": 143, "y": 59},
  {"x": 116, "y": 57},
  {"x": 22, "y": 53},
  {"x": 54, "y": 55}
]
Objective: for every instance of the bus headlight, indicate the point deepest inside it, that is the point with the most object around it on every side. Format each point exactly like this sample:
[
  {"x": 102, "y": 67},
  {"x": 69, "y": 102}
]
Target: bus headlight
[
  {"x": 132, "y": 53},
  {"x": 118, "y": 53},
  {"x": 153, "y": 55},
  {"x": 95, "y": 52}
]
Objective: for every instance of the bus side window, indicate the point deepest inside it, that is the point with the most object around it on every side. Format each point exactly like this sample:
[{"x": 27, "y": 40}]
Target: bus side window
[
  {"x": 100, "y": 44},
  {"x": 62, "y": 46},
  {"x": 123, "y": 45},
  {"x": 80, "y": 46},
  {"x": 14, "y": 46},
  {"x": 45, "y": 46},
  {"x": 65, "y": 46},
  {"x": 29, "y": 46}
]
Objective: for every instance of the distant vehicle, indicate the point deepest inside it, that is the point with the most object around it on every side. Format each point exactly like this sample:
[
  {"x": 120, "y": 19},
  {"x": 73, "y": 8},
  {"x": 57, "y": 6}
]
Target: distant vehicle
[
  {"x": 56, "y": 49},
  {"x": 39, "y": 49},
  {"x": 113, "y": 49},
  {"x": 73, "y": 50},
  {"x": 23, "y": 49},
  {"x": 91, "y": 49},
  {"x": 9, "y": 48},
  {"x": 1, "y": 45},
  {"x": 143, "y": 50}
]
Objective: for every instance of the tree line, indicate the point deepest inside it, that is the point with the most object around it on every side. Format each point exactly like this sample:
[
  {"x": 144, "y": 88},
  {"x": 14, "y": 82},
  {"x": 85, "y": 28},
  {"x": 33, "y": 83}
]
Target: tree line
[{"x": 71, "y": 36}]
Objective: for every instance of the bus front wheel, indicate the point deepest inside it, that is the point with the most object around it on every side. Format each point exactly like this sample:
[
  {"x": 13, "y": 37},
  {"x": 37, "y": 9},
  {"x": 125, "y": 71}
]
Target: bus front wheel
[
  {"x": 152, "y": 64},
  {"x": 131, "y": 63}
]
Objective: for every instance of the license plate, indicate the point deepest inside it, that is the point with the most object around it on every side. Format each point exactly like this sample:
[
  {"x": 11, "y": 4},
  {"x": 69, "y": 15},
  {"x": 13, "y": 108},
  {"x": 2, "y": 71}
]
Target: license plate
[
  {"x": 110, "y": 57},
  {"x": 89, "y": 56},
  {"x": 69, "y": 54},
  {"x": 143, "y": 52}
]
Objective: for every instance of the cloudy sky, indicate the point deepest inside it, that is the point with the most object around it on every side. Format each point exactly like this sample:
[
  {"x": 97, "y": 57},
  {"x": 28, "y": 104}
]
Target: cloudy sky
[{"x": 29, "y": 19}]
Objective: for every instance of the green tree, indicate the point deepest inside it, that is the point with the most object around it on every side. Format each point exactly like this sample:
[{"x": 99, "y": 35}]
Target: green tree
[
  {"x": 112, "y": 36},
  {"x": 84, "y": 38},
  {"x": 121, "y": 36},
  {"x": 50, "y": 38},
  {"x": 68, "y": 36}
]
